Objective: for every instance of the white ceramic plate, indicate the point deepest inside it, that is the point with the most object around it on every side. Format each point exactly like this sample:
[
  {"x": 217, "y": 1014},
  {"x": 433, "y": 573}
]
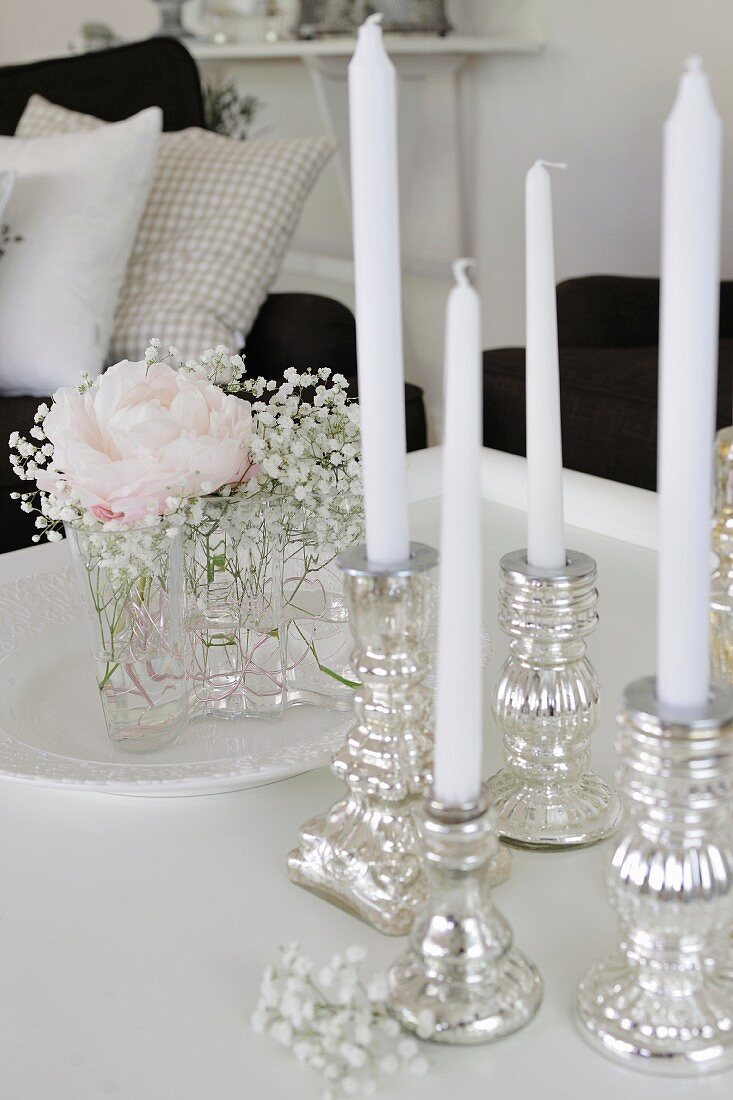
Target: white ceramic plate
[{"x": 52, "y": 730}]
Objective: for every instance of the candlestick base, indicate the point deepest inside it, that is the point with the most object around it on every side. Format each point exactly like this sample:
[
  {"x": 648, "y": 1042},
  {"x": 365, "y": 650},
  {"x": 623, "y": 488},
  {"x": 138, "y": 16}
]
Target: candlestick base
[
  {"x": 663, "y": 1001},
  {"x": 461, "y": 981},
  {"x": 546, "y": 703},
  {"x": 363, "y": 855}
]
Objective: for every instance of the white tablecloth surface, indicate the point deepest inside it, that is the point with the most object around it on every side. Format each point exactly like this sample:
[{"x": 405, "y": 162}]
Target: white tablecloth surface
[{"x": 133, "y": 932}]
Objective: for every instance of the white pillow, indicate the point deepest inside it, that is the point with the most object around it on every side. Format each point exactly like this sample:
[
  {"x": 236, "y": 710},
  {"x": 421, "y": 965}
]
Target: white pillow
[
  {"x": 76, "y": 204},
  {"x": 219, "y": 219}
]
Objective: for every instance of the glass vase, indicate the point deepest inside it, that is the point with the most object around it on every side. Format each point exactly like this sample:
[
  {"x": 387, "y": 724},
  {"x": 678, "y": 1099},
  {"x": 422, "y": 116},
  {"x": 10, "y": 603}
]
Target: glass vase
[
  {"x": 721, "y": 584},
  {"x": 131, "y": 586},
  {"x": 237, "y": 647},
  {"x": 320, "y": 643}
]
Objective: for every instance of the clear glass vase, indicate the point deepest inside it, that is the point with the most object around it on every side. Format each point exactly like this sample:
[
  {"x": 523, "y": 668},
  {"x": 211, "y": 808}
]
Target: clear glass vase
[
  {"x": 320, "y": 643},
  {"x": 237, "y": 649},
  {"x": 131, "y": 586},
  {"x": 721, "y": 583}
]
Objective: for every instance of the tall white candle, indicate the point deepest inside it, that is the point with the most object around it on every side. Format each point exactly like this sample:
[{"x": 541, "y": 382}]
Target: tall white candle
[
  {"x": 545, "y": 524},
  {"x": 375, "y": 205},
  {"x": 688, "y": 356},
  {"x": 458, "y": 723}
]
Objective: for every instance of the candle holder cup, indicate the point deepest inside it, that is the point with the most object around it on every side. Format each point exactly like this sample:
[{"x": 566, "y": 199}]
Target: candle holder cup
[
  {"x": 363, "y": 855},
  {"x": 460, "y": 980},
  {"x": 664, "y": 1000},
  {"x": 546, "y": 704}
]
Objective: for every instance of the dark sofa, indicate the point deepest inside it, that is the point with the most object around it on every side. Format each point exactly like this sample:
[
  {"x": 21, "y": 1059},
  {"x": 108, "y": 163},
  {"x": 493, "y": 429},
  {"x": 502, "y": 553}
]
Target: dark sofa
[
  {"x": 608, "y": 331},
  {"x": 291, "y": 330}
]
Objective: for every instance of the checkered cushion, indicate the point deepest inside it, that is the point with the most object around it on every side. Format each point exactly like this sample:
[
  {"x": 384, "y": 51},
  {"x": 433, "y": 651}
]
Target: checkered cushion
[{"x": 219, "y": 218}]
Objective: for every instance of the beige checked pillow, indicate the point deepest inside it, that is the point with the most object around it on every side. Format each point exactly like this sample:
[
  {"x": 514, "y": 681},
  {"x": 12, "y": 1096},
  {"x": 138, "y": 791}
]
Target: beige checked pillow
[{"x": 219, "y": 218}]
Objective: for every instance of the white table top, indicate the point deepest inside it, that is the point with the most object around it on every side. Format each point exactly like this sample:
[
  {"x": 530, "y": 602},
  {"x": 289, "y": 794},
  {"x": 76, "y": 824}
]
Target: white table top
[{"x": 133, "y": 931}]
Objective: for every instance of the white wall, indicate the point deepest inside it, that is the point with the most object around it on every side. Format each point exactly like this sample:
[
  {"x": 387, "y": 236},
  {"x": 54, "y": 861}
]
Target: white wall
[{"x": 596, "y": 97}]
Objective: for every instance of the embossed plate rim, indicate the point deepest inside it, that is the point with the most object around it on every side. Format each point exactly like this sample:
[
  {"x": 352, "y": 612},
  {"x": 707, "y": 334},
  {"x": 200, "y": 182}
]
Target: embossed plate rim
[{"x": 30, "y": 604}]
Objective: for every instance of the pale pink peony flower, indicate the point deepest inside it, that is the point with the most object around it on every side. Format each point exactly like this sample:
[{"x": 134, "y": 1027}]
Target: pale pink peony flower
[{"x": 143, "y": 434}]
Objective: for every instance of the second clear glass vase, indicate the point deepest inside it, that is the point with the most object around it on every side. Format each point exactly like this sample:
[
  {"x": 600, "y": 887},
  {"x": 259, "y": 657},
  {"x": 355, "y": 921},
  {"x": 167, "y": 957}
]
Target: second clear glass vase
[{"x": 237, "y": 646}]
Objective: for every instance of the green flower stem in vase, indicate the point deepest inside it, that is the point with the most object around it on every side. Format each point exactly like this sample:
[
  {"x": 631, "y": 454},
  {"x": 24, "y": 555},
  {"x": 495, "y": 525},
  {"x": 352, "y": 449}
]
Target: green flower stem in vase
[
  {"x": 319, "y": 639},
  {"x": 131, "y": 586},
  {"x": 233, "y": 557}
]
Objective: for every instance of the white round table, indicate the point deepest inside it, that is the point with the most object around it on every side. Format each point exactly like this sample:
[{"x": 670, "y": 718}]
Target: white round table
[{"x": 133, "y": 932}]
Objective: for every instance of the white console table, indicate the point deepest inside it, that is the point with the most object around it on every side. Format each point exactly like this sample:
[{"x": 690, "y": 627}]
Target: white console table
[{"x": 436, "y": 133}]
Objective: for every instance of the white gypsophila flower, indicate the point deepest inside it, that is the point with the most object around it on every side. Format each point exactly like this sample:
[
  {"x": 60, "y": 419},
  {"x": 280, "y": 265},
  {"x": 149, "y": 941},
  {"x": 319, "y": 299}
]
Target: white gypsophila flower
[{"x": 330, "y": 1023}]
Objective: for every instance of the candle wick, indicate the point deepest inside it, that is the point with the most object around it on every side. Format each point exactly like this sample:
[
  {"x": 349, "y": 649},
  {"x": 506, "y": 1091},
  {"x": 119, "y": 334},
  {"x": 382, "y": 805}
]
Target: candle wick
[
  {"x": 461, "y": 269},
  {"x": 693, "y": 64},
  {"x": 374, "y": 19},
  {"x": 550, "y": 164}
]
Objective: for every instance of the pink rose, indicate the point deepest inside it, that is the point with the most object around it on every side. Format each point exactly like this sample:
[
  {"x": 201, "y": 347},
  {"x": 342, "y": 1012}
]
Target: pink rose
[{"x": 143, "y": 434}]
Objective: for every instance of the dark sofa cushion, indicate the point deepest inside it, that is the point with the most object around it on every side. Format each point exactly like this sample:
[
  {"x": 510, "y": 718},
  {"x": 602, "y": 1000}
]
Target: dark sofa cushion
[
  {"x": 609, "y": 407},
  {"x": 307, "y": 331},
  {"x": 110, "y": 84},
  {"x": 16, "y": 528},
  {"x": 619, "y": 311}
]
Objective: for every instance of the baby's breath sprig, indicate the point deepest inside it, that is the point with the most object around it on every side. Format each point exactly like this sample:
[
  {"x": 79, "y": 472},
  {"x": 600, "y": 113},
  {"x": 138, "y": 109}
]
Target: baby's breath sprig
[{"x": 336, "y": 1022}]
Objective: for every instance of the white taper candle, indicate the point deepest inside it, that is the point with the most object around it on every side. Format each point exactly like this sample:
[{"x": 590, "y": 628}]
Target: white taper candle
[
  {"x": 545, "y": 522},
  {"x": 688, "y": 356},
  {"x": 458, "y": 724},
  {"x": 375, "y": 203}
]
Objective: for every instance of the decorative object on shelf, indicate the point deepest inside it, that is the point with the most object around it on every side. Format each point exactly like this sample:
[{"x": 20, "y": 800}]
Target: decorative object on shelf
[
  {"x": 227, "y": 111},
  {"x": 546, "y": 704},
  {"x": 721, "y": 589},
  {"x": 324, "y": 17},
  {"x": 460, "y": 980},
  {"x": 335, "y": 1020},
  {"x": 98, "y": 36},
  {"x": 663, "y": 1001},
  {"x": 171, "y": 21},
  {"x": 243, "y": 20},
  {"x": 361, "y": 854},
  {"x": 131, "y": 587},
  {"x": 273, "y": 30}
]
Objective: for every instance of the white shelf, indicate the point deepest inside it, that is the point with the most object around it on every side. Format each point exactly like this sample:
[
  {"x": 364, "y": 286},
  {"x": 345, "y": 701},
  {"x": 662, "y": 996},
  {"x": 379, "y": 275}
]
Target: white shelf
[{"x": 416, "y": 45}]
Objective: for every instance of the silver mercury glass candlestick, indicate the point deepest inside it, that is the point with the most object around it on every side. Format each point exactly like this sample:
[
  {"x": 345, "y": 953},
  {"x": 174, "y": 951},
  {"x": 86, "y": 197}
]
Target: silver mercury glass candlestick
[
  {"x": 721, "y": 587},
  {"x": 364, "y": 854},
  {"x": 461, "y": 980},
  {"x": 663, "y": 1001},
  {"x": 546, "y": 704}
]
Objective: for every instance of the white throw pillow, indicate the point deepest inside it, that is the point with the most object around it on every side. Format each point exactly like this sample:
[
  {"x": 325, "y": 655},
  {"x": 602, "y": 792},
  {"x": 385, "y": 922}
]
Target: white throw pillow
[
  {"x": 218, "y": 221},
  {"x": 76, "y": 204}
]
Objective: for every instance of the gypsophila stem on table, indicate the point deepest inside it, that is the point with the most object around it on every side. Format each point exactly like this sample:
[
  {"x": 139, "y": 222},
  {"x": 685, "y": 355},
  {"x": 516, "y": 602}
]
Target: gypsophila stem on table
[{"x": 335, "y": 1021}]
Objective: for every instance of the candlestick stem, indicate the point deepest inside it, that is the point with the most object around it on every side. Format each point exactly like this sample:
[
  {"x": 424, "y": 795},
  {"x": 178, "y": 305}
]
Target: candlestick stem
[{"x": 461, "y": 972}]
